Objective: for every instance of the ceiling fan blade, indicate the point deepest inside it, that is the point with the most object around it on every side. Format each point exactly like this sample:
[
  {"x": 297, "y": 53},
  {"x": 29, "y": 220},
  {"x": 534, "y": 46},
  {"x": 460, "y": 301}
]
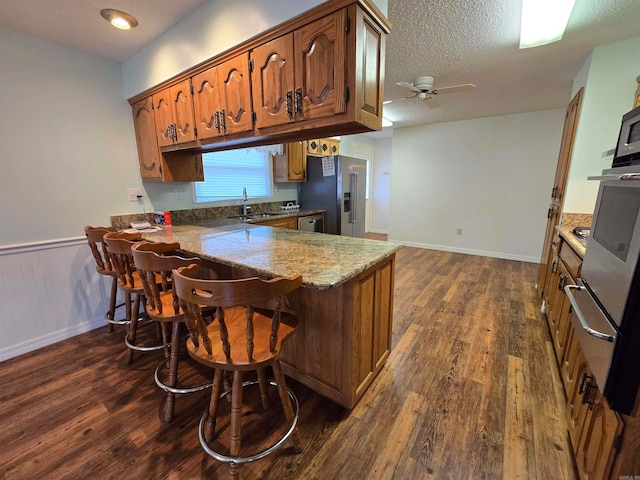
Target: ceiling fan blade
[
  {"x": 431, "y": 102},
  {"x": 467, "y": 87},
  {"x": 409, "y": 86}
]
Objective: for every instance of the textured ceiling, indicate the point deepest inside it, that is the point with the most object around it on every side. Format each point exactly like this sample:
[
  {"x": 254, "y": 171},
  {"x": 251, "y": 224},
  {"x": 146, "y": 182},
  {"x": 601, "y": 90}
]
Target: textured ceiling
[
  {"x": 464, "y": 41},
  {"x": 456, "y": 41}
]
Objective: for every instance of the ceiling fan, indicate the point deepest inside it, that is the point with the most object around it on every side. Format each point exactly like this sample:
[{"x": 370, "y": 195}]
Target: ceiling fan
[{"x": 423, "y": 89}]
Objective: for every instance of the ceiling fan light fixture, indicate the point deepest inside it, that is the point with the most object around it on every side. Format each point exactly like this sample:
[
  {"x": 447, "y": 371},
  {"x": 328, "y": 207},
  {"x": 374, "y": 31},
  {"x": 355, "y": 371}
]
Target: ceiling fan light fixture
[
  {"x": 543, "y": 21},
  {"x": 119, "y": 19}
]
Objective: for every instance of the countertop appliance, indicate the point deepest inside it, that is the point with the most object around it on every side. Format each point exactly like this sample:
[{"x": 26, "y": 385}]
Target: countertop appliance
[
  {"x": 606, "y": 301},
  {"x": 311, "y": 223},
  {"x": 336, "y": 185},
  {"x": 628, "y": 147}
]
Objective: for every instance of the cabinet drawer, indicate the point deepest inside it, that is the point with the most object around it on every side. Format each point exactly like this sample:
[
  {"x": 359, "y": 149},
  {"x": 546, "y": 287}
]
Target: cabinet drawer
[{"x": 571, "y": 259}]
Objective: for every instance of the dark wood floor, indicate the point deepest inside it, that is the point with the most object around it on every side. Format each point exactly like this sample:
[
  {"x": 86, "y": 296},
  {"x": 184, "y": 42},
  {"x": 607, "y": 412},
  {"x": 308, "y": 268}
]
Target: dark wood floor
[{"x": 471, "y": 390}]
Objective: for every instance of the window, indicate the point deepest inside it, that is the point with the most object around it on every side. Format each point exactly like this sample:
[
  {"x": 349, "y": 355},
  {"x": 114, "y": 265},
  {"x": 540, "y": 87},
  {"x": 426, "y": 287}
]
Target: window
[{"x": 227, "y": 173}]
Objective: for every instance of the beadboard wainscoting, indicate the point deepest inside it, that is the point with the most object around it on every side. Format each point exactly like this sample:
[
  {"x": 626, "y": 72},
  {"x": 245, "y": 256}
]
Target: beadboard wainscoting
[{"x": 49, "y": 291}]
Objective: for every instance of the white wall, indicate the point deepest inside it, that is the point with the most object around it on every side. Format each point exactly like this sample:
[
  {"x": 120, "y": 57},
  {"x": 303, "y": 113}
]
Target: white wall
[
  {"x": 381, "y": 191},
  {"x": 67, "y": 143},
  {"x": 489, "y": 177},
  {"x": 609, "y": 93},
  {"x": 68, "y": 153}
]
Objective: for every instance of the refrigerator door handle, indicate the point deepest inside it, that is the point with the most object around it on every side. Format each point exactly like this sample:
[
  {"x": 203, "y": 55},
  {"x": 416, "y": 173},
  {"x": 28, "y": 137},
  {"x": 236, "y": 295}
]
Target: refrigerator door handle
[{"x": 354, "y": 197}]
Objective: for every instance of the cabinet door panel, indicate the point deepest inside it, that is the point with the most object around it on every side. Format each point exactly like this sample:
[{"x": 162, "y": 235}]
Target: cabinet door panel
[
  {"x": 272, "y": 81},
  {"x": 235, "y": 94},
  {"x": 145, "y": 127},
  {"x": 183, "y": 111},
  {"x": 576, "y": 410},
  {"x": 320, "y": 67},
  {"x": 162, "y": 111},
  {"x": 596, "y": 450},
  {"x": 206, "y": 103}
]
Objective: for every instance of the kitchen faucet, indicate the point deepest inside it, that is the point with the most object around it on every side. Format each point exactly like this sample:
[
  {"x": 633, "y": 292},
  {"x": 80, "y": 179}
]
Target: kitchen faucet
[{"x": 244, "y": 201}]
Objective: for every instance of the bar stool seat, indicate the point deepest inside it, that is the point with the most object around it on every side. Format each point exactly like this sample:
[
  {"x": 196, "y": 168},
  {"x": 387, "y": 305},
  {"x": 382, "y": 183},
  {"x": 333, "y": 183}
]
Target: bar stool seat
[
  {"x": 153, "y": 263},
  {"x": 119, "y": 246},
  {"x": 95, "y": 239},
  {"x": 242, "y": 338}
]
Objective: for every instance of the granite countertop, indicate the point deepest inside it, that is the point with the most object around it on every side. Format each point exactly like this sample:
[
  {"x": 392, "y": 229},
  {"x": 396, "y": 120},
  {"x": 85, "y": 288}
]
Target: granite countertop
[
  {"x": 324, "y": 261},
  {"x": 575, "y": 242}
]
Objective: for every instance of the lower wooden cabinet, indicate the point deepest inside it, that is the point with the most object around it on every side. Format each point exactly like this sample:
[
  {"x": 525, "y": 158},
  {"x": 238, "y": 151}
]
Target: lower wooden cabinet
[
  {"x": 605, "y": 444},
  {"x": 290, "y": 222},
  {"x": 601, "y": 431}
]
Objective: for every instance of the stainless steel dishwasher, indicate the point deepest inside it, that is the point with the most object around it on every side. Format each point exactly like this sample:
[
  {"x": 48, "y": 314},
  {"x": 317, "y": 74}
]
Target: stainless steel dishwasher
[{"x": 311, "y": 223}]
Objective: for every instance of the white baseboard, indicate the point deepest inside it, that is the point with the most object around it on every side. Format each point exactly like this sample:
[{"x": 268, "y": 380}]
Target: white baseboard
[
  {"x": 481, "y": 253},
  {"x": 49, "y": 339}
]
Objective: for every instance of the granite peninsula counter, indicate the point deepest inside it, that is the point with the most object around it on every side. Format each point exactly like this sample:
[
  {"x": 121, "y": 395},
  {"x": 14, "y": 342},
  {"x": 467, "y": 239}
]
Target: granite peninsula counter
[{"x": 345, "y": 306}]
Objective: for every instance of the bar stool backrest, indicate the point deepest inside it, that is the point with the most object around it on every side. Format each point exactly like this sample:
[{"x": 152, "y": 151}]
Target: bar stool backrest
[
  {"x": 119, "y": 247},
  {"x": 95, "y": 239}
]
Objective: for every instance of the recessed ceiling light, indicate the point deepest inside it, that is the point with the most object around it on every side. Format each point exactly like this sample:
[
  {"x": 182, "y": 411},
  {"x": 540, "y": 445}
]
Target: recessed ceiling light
[{"x": 119, "y": 19}]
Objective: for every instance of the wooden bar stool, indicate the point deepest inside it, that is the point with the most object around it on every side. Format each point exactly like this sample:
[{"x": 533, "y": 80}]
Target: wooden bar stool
[
  {"x": 119, "y": 247},
  {"x": 243, "y": 338},
  {"x": 104, "y": 267},
  {"x": 152, "y": 262}
]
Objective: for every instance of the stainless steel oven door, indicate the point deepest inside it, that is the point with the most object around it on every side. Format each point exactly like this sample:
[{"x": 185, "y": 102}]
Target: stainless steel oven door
[
  {"x": 614, "y": 244},
  {"x": 595, "y": 332}
]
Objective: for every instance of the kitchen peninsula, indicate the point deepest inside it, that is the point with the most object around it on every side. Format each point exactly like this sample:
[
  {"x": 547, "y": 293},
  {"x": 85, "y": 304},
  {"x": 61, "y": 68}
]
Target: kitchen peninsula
[{"x": 345, "y": 306}]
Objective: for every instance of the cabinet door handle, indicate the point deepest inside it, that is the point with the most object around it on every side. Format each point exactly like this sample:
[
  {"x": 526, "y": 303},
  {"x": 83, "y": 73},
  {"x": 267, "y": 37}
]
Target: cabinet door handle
[
  {"x": 216, "y": 121},
  {"x": 588, "y": 390},
  {"x": 289, "y": 104},
  {"x": 554, "y": 267},
  {"x": 223, "y": 122},
  {"x": 299, "y": 101},
  {"x": 171, "y": 132},
  {"x": 561, "y": 282}
]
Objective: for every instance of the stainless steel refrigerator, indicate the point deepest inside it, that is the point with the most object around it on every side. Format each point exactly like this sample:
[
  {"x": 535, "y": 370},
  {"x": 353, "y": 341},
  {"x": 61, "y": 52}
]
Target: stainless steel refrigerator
[{"x": 337, "y": 185}]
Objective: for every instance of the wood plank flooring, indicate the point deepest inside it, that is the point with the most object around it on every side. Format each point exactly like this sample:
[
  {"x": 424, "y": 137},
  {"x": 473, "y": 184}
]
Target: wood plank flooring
[{"x": 471, "y": 390}]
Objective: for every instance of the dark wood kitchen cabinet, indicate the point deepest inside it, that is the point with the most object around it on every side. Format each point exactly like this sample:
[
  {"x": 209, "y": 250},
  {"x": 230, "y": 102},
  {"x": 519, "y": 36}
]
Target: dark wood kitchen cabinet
[
  {"x": 605, "y": 444},
  {"x": 317, "y": 75},
  {"x": 173, "y": 112},
  {"x": 291, "y": 165},
  {"x": 222, "y": 100},
  {"x": 302, "y": 75},
  {"x": 180, "y": 166}
]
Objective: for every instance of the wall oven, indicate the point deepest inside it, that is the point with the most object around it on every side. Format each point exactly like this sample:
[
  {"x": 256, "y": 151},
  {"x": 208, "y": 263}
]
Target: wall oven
[{"x": 606, "y": 301}]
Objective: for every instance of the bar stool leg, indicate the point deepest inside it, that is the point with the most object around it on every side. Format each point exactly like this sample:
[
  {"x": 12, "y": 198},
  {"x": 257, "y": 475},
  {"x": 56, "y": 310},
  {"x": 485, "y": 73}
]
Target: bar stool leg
[
  {"x": 236, "y": 423},
  {"x": 111, "y": 314},
  {"x": 210, "y": 426},
  {"x": 133, "y": 326},
  {"x": 286, "y": 403},
  {"x": 173, "y": 370},
  {"x": 262, "y": 381}
]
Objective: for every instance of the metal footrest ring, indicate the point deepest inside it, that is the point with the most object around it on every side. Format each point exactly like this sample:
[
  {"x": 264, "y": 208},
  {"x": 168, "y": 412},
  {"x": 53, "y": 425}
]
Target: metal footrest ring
[
  {"x": 116, "y": 322},
  {"x": 257, "y": 456},
  {"x": 177, "y": 390},
  {"x": 141, "y": 348}
]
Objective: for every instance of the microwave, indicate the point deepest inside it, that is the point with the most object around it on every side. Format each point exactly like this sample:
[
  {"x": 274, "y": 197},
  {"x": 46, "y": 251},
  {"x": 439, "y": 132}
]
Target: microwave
[{"x": 628, "y": 147}]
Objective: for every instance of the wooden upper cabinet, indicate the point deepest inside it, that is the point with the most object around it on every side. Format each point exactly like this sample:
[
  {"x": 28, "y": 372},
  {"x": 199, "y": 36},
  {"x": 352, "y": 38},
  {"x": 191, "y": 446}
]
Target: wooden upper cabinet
[
  {"x": 222, "y": 99},
  {"x": 173, "y": 112},
  {"x": 179, "y": 166},
  {"x": 145, "y": 128},
  {"x": 291, "y": 166},
  {"x": 636, "y": 102},
  {"x": 320, "y": 50},
  {"x": 301, "y": 75},
  {"x": 317, "y": 75},
  {"x": 273, "y": 82}
]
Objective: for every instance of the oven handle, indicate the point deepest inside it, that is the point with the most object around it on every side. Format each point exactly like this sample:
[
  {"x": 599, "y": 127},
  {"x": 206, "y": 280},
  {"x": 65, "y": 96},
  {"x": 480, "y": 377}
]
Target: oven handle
[
  {"x": 583, "y": 321},
  {"x": 625, "y": 177}
]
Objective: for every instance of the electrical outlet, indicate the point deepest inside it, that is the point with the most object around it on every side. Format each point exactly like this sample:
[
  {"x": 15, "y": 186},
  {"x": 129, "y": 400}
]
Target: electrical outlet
[
  {"x": 459, "y": 231},
  {"x": 179, "y": 191},
  {"x": 133, "y": 194}
]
